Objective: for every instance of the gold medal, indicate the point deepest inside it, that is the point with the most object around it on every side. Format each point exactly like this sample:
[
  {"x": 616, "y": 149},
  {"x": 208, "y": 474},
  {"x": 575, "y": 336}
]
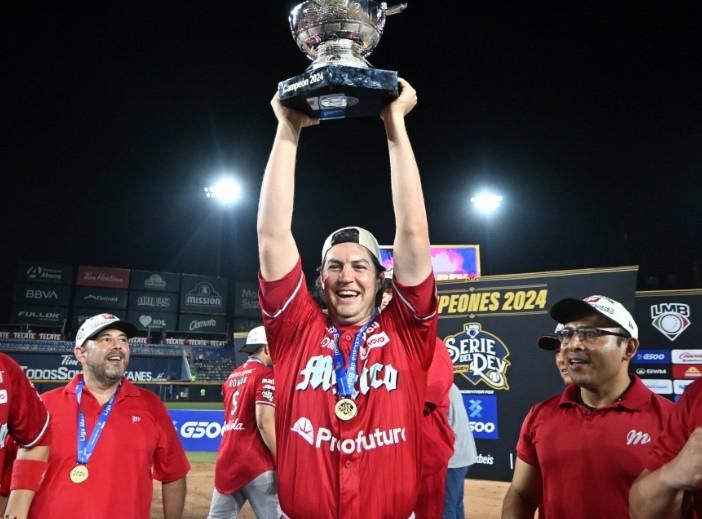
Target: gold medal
[
  {"x": 79, "y": 473},
  {"x": 345, "y": 409}
]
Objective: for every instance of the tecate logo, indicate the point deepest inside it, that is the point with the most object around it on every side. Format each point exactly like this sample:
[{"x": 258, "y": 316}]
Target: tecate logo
[
  {"x": 197, "y": 430},
  {"x": 323, "y": 438}
]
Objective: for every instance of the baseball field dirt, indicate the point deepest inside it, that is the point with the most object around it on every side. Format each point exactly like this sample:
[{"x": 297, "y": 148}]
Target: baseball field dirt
[{"x": 483, "y": 498}]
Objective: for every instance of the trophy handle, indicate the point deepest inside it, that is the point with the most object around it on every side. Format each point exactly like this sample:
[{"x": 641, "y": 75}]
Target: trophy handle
[{"x": 395, "y": 9}]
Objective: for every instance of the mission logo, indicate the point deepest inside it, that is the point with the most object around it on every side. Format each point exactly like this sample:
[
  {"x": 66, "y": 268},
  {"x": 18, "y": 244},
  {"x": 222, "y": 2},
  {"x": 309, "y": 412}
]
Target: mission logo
[{"x": 479, "y": 357}]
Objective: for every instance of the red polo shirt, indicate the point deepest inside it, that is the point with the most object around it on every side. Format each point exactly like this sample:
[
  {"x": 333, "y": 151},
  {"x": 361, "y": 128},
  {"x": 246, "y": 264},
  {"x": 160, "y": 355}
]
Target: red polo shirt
[
  {"x": 368, "y": 466},
  {"x": 242, "y": 454},
  {"x": 589, "y": 459},
  {"x": 685, "y": 418},
  {"x": 22, "y": 416},
  {"x": 138, "y": 444}
]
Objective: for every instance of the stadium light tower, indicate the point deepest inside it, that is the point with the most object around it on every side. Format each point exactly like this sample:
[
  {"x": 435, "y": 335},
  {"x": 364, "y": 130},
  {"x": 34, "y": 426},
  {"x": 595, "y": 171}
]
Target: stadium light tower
[
  {"x": 226, "y": 192},
  {"x": 486, "y": 202}
]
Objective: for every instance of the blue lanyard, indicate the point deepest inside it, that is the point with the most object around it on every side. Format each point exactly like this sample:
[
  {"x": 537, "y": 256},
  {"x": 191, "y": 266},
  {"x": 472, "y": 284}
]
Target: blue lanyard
[
  {"x": 345, "y": 381},
  {"x": 85, "y": 451}
]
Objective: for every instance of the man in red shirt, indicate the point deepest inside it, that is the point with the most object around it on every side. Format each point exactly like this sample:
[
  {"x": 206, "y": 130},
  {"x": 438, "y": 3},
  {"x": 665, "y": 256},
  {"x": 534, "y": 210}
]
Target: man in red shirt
[
  {"x": 438, "y": 437},
  {"x": 246, "y": 459},
  {"x": 671, "y": 485},
  {"x": 24, "y": 425},
  {"x": 579, "y": 452},
  {"x": 349, "y": 385},
  {"x": 111, "y": 437}
]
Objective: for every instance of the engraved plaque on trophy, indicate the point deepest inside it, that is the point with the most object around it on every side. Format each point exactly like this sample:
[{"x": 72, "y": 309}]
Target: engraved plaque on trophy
[{"x": 338, "y": 35}]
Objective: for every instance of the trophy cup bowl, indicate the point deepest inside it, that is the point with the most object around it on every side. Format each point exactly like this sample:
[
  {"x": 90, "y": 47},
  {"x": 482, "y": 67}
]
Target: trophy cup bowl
[{"x": 338, "y": 35}]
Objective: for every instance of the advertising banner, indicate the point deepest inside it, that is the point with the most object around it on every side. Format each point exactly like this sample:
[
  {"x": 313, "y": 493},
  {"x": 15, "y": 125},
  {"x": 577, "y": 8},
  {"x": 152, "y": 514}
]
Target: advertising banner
[
  {"x": 154, "y": 281},
  {"x": 198, "y": 430},
  {"x": 670, "y": 353},
  {"x": 202, "y": 323},
  {"x": 81, "y": 314},
  {"x": 39, "y": 315},
  {"x": 154, "y": 301},
  {"x": 107, "y": 277},
  {"x": 44, "y": 272},
  {"x": 203, "y": 295},
  {"x": 490, "y": 327},
  {"x": 62, "y": 366},
  {"x": 103, "y": 298},
  {"x": 46, "y": 295},
  {"x": 246, "y": 300},
  {"x": 145, "y": 320}
]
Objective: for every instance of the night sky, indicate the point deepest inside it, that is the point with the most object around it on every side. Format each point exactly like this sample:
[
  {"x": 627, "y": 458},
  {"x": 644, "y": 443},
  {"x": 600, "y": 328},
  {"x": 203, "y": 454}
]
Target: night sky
[{"x": 587, "y": 120}]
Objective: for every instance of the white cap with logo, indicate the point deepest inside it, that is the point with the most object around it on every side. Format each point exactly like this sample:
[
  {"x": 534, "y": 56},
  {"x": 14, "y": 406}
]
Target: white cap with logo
[
  {"x": 570, "y": 309},
  {"x": 353, "y": 235},
  {"x": 254, "y": 340},
  {"x": 97, "y": 323}
]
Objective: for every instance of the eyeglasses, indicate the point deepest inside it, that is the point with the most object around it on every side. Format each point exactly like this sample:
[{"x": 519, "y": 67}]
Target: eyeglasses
[{"x": 585, "y": 334}]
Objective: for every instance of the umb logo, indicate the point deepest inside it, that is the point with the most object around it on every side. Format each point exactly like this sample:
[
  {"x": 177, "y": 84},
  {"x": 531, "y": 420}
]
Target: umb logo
[
  {"x": 671, "y": 319},
  {"x": 479, "y": 356}
]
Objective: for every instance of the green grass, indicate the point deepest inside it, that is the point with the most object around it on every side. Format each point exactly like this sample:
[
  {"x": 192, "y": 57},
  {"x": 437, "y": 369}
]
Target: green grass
[
  {"x": 201, "y": 457},
  {"x": 194, "y": 405}
]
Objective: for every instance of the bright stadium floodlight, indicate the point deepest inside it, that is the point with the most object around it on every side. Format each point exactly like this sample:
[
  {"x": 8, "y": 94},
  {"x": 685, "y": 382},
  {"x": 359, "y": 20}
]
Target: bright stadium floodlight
[
  {"x": 486, "y": 203},
  {"x": 226, "y": 191}
]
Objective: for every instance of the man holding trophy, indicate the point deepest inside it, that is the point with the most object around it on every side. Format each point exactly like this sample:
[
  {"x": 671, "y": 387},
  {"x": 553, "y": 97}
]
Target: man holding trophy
[{"x": 350, "y": 384}]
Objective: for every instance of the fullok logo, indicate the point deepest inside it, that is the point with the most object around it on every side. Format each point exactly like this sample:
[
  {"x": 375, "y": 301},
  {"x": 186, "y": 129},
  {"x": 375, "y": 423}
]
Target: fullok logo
[{"x": 671, "y": 319}]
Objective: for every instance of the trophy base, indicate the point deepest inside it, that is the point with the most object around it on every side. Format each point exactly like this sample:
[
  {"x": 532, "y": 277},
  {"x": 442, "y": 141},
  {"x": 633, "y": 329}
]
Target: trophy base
[{"x": 339, "y": 91}]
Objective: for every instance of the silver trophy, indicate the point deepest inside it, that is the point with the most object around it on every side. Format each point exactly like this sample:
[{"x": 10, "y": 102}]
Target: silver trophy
[{"x": 338, "y": 36}]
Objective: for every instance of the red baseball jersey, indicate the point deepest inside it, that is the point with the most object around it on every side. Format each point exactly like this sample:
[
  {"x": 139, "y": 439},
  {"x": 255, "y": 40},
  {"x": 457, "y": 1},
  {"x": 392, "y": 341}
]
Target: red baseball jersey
[
  {"x": 139, "y": 443},
  {"x": 23, "y": 417},
  {"x": 685, "y": 418},
  {"x": 589, "y": 459},
  {"x": 368, "y": 466},
  {"x": 242, "y": 454},
  {"x": 437, "y": 436}
]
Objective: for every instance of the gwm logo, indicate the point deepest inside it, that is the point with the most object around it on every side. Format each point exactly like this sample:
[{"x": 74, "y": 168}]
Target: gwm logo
[
  {"x": 671, "y": 319},
  {"x": 479, "y": 356}
]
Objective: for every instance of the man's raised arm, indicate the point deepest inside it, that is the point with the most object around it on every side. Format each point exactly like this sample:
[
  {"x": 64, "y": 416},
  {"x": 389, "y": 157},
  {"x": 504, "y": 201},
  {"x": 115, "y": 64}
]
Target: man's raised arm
[
  {"x": 412, "y": 259},
  {"x": 276, "y": 246}
]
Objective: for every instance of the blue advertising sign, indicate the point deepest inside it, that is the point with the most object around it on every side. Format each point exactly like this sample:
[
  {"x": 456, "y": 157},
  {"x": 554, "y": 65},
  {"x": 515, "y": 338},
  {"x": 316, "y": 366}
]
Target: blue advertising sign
[
  {"x": 43, "y": 272},
  {"x": 198, "y": 430},
  {"x": 482, "y": 413},
  {"x": 652, "y": 357}
]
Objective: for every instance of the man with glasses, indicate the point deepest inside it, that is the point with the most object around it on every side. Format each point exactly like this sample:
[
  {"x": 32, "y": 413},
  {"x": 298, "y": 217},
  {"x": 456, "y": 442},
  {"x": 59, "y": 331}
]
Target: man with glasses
[{"x": 595, "y": 435}]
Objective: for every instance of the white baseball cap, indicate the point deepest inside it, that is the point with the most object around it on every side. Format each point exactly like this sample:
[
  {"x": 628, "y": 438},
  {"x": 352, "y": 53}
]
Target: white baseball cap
[
  {"x": 550, "y": 342},
  {"x": 570, "y": 309},
  {"x": 254, "y": 340},
  {"x": 352, "y": 235},
  {"x": 97, "y": 323}
]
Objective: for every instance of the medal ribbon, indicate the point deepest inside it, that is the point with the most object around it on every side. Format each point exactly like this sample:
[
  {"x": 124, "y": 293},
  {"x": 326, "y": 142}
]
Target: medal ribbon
[
  {"x": 86, "y": 450},
  {"x": 345, "y": 381}
]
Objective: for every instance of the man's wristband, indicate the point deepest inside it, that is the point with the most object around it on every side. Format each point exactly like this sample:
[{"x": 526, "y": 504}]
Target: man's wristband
[{"x": 28, "y": 474}]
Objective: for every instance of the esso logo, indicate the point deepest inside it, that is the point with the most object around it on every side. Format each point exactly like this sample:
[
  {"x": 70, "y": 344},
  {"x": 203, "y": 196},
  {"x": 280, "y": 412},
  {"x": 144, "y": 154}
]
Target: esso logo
[
  {"x": 653, "y": 356},
  {"x": 197, "y": 430},
  {"x": 487, "y": 427}
]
